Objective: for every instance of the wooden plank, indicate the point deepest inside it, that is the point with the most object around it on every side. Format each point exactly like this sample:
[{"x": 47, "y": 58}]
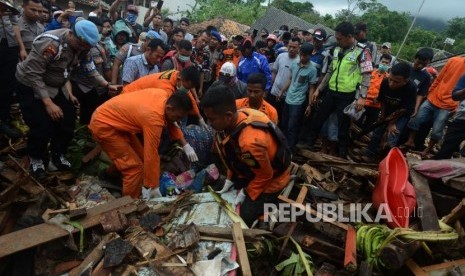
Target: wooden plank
[
  {"x": 302, "y": 194},
  {"x": 455, "y": 214},
  {"x": 313, "y": 212},
  {"x": 457, "y": 183},
  {"x": 429, "y": 222},
  {"x": 43, "y": 233},
  {"x": 312, "y": 172},
  {"x": 415, "y": 268},
  {"x": 223, "y": 232},
  {"x": 100, "y": 271},
  {"x": 347, "y": 166},
  {"x": 350, "y": 257},
  {"x": 93, "y": 258},
  {"x": 241, "y": 250},
  {"x": 300, "y": 199},
  {"x": 446, "y": 265}
]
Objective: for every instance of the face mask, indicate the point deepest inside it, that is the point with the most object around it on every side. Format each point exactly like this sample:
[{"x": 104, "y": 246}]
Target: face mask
[
  {"x": 131, "y": 18},
  {"x": 383, "y": 67},
  {"x": 183, "y": 58}
]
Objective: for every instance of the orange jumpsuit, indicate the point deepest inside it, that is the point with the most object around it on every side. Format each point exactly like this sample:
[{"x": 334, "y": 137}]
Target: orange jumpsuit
[
  {"x": 266, "y": 108},
  {"x": 373, "y": 90},
  {"x": 165, "y": 80},
  {"x": 115, "y": 124},
  {"x": 257, "y": 149},
  {"x": 230, "y": 55}
]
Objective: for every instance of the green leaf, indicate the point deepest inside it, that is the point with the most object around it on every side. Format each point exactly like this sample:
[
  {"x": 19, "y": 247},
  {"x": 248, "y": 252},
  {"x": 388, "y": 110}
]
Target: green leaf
[{"x": 293, "y": 259}]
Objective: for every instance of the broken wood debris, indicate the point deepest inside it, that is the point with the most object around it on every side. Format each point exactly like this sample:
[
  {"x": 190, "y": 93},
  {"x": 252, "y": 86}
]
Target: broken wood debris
[
  {"x": 43, "y": 233},
  {"x": 241, "y": 249},
  {"x": 93, "y": 258}
]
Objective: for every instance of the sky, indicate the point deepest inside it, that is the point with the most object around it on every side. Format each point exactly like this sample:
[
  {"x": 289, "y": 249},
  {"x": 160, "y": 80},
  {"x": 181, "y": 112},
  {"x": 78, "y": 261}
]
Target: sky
[{"x": 439, "y": 9}]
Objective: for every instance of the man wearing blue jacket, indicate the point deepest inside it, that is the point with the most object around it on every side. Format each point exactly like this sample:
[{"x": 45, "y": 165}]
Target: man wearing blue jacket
[{"x": 252, "y": 62}]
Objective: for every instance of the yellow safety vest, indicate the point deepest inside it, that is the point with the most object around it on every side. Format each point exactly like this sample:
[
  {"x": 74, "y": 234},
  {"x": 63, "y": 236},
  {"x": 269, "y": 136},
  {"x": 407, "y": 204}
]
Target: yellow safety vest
[{"x": 347, "y": 74}]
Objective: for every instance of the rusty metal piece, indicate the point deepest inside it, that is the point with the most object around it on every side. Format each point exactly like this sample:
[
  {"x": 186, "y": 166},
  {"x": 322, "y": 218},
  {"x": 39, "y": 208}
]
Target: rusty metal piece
[
  {"x": 185, "y": 238},
  {"x": 113, "y": 221}
]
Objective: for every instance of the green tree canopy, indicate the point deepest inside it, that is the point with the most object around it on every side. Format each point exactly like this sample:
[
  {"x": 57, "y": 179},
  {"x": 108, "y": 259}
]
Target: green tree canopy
[
  {"x": 456, "y": 28},
  {"x": 295, "y": 8},
  {"x": 245, "y": 12},
  {"x": 385, "y": 25}
]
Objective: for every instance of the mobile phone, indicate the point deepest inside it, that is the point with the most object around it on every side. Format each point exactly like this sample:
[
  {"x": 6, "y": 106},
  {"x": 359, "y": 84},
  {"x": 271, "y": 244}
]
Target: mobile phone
[
  {"x": 78, "y": 13},
  {"x": 153, "y": 4},
  {"x": 160, "y": 4}
]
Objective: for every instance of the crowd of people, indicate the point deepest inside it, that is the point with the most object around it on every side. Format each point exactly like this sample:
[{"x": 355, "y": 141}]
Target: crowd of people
[{"x": 261, "y": 94}]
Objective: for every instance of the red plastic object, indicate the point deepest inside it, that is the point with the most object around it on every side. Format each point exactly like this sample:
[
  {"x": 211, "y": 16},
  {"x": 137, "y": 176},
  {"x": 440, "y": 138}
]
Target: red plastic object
[{"x": 394, "y": 189}]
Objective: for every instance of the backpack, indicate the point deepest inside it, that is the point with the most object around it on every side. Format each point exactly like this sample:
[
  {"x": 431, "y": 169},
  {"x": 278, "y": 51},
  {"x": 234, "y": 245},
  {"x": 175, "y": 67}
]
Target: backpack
[{"x": 257, "y": 119}]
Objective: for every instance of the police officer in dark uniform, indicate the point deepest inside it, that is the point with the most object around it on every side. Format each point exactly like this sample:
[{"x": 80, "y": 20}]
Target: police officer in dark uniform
[
  {"x": 10, "y": 47},
  {"x": 43, "y": 91}
]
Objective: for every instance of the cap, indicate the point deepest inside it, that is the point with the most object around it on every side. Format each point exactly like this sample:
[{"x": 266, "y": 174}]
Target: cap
[
  {"x": 311, "y": 31},
  {"x": 142, "y": 38},
  {"x": 247, "y": 43},
  {"x": 87, "y": 31},
  {"x": 387, "y": 45},
  {"x": 152, "y": 35},
  {"x": 272, "y": 37},
  {"x": 133, "y": 8},
  {"x": 216, "y": 35},
  {"x": 6, "y": 5},
  {"x": 319, "y": 34},
  {"x": 228, "y": 69}
]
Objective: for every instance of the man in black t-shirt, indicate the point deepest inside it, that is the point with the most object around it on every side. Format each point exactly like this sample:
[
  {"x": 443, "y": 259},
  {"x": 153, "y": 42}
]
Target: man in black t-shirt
[{"x": 397, "y": 92}]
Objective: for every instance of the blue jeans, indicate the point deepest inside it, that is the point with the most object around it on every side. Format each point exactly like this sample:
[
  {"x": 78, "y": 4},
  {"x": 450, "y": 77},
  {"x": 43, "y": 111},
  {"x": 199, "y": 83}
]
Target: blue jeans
[
  {"x": 292, "y": 122},
  {"x": 426, "y": 112},
  {"x": 392, "y": 139},
  {"x": 329, "y": 129}
]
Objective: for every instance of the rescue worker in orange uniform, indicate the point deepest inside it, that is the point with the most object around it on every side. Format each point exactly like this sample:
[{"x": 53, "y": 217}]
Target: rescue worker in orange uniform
[
  {"x": 116, "y": 122},
  {"x": 256, "y": 84},
  {"x": 253, "y": 149},
  {"x": 188, "y": 78},
  {"x": 372, "y": 106},
  {"x": 232, "y": 55}
]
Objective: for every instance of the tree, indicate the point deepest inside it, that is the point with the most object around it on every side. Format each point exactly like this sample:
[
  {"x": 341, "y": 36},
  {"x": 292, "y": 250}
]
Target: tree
[
  {"x": 245, "y": 12},
  {"x": 356, "y": 5},
  {"x": 456, "y": 28},
  {"x": 385, "y": 25},
  {"x": 295, "y": 8}
]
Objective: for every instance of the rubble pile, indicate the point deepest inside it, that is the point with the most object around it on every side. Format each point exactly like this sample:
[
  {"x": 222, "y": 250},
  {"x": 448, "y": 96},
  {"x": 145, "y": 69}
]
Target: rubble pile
[{"x": 84, "y": 227}]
